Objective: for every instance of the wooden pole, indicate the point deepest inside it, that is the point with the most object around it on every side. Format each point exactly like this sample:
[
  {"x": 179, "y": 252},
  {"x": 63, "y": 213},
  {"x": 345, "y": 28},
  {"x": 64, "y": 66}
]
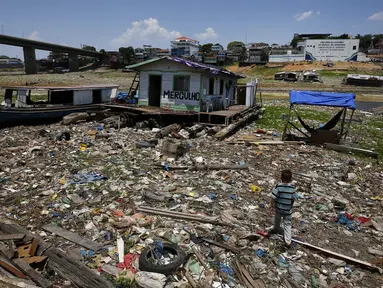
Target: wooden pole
[
  {"x": 346, "y": 149},
  {"x": 369, "y": 265},
  {"x": 343, "y": 119},
  {"x": 287, "y": 123}
]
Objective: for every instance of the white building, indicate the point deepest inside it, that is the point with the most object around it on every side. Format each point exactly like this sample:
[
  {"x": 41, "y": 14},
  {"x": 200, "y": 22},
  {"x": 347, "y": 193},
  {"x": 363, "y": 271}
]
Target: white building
[
  {"x": 184, "y": 47},
  {"x": 322, "y": 50},
  {"x": 179, "y": 84},
  {"x": 332, "y": 49}
]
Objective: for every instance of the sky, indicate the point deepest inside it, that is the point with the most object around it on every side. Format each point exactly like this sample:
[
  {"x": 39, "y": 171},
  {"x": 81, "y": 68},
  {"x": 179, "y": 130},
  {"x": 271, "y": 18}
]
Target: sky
[{"x": 112, "y": 24}]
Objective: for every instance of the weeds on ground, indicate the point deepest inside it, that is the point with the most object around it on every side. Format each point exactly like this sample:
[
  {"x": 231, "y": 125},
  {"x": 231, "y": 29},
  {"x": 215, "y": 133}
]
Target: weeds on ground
[{"x": 367, "y": 135}]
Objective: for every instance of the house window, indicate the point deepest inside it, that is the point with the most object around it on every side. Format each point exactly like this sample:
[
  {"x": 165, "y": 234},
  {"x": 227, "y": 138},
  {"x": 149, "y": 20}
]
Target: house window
[
  {"x": 211, "y": 86},
  {"x": 353, "y": 47},
  {"x": 181, "y": 83},
  {"x": 221, "y": 83}
]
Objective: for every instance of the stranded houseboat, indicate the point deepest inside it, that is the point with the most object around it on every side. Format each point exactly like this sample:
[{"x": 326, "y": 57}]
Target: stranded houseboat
[{"x": 30, "y": 104}]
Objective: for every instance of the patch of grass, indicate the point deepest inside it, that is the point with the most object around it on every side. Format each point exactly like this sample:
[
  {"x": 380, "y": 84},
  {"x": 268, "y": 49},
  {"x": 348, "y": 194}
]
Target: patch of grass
[
  {"x": 336, "y": 73},
  {"x": 273, "y": 119},
  {"x": 262, "y": 72},
  {"x": 368, "y": 135},
  {"x": 343, "y": 73}
]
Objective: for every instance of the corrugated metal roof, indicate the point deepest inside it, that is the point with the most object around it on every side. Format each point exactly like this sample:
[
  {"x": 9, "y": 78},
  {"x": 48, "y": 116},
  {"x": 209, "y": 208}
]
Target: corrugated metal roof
[
  {"x": 212, "y": 69},
  {"x": 144, "y": 63}
]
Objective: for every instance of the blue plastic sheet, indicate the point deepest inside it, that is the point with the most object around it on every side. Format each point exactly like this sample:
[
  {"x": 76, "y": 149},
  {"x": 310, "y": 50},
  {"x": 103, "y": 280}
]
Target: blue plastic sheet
[{"x": 317, "y": 98}]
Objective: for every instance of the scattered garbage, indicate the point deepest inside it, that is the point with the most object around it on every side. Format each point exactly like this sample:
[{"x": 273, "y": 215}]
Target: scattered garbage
[{"x": 172, "y": 206}]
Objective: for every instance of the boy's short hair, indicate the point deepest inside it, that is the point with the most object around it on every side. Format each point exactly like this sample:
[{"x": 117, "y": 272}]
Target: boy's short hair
[{"x": 286, "y": 176}]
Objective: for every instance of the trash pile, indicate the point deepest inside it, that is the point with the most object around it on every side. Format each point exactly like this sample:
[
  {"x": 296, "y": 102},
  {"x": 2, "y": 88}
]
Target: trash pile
[{"x": 142, "y": 207}]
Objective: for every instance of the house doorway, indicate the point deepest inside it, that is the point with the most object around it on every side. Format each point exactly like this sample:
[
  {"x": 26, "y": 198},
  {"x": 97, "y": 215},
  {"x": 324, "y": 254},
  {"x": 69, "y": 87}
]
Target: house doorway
[{"x": 155, "y": 90}]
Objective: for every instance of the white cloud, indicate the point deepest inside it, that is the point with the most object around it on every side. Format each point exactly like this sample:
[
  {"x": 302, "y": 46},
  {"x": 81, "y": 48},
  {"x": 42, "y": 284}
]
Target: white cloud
[
  {"x": 142, "y": 32},
  {"x": 208, "y": 34},
  {"x": 305, "y": 15},
  {"x": 34, "y": 36},
  {"x": 376, "y": 16}
]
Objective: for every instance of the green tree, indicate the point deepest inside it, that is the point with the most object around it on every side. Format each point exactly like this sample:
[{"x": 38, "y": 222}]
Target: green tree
[
  {"x": 343, "y": 36},
  {"x": 89, "y": 48},
  {"x": 231, "y": 45},
  {"x": 206, "y": 48},
  {"x": 102, "y": 51},
  {"x": 54, "y": 55},
  {"x": 294, "y": 42},
  {"x": 4, "y": 57},
  {"x": 127, "y": 54}
]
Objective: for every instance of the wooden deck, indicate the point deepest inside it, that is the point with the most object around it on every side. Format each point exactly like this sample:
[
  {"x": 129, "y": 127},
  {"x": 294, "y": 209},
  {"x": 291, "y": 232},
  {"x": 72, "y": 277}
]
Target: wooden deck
[{"x": 214, "y": 117}]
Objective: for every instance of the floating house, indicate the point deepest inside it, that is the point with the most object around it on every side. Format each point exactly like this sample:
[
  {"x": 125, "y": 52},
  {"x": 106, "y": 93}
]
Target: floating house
[
  {"x": 179, "y": 84},
  {"x": 29, "y": 104}
]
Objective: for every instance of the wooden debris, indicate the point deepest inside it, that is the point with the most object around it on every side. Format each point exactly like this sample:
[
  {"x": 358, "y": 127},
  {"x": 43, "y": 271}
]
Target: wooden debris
[
  {"x": 168, "y": 130},
  {"x": 18, "y": 236},
  {"x": 269, "y": 142},
  {"x": 72, "y": 237},
  {"x": 29, "y": 249},
  {"x": 245, "y": 276},
  {"x": 74, "y": 118},
  {"x": 224, "y": 246},
  {"x": 253, "y": 113},
  {"x": 200, "y": 258},
  {"x": 34, "y": 259},
  {"x": 7, "y": 265},
  {"x": 346, "y": 149},
  {"x": 207, "y": 167},
  {"x": 347, "y": 258},
  {"x": 78, "y": 274},
  {"x": 190, "y": 279},
  {"x": 183, "y": 216},
  {"x": 34, "y": 275}
]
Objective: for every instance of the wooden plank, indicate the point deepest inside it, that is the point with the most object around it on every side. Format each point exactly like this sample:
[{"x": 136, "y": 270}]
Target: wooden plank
[
  {"x": 80, "y": 275},
  {"x": 200, "y": 258},
  {"x": 207, "y": 167},
  {"x": 73, "y": 237},
  {"x": 33, "y": 274},
  {"x": 224, "y": 246},
  {"x": 182, "y": 216},
  {"x": 13, "y": 228},
  {"x": 232, "y": 128},
  {"x": 268, "y": 142},
  {"x": 346, "y": 149},
  {"x": 18, "y": 236},
  {"x": 347, "y": 258},
  {"x": 7, "y": 265}
]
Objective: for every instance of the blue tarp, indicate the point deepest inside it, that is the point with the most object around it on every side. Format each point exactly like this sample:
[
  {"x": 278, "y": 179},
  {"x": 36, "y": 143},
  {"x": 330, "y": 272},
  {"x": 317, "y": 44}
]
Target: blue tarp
[{"x": 323, "y": 99}]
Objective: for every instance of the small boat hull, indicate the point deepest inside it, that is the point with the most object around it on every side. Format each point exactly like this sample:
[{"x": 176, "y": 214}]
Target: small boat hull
[{"x": 25, "y": 116}]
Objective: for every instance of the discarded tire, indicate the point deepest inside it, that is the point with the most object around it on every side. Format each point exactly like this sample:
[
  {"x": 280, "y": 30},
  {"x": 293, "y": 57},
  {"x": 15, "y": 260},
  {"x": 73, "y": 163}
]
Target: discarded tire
[{"x": 146, "y": 261}]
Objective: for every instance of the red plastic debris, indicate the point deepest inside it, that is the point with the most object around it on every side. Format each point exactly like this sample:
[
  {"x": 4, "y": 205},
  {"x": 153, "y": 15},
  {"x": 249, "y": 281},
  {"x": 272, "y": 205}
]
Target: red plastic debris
[
  {"x": 129, "y": 259},
  {"x": 363, "y": 219},
  {"x": 349, "y": 217},
  {"x": 263, "y": 233}
]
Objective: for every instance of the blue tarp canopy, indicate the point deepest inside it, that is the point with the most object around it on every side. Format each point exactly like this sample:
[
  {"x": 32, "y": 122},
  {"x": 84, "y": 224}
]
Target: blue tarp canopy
[{"x": 323, "y": 99}]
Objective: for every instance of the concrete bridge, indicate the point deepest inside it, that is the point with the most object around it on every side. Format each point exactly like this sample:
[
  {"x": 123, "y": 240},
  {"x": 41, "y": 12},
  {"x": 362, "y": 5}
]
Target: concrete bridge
[{"x": 29, "y": 47}]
